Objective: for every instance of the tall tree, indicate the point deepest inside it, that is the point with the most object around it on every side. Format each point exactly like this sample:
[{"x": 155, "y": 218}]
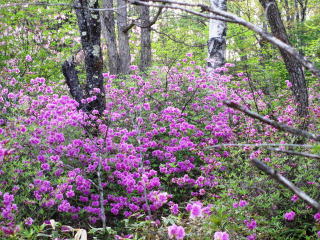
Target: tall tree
[
  {"x": 293, "y": 66},
  {"x": 117, "y": 44},
  {"x": 145, "y": 39},
  {"x": 90, "y": 31},
  {"x": 108, "y": 24},
  {"x": 123, "y": 37},
  {"x": 217, "y": 38}
]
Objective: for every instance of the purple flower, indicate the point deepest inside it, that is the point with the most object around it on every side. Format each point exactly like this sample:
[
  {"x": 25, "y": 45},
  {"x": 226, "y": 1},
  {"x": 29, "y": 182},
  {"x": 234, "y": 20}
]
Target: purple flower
[
  {"x": 64, "y": 206},
  {"x": 176, "y": 232},
  {"x": 45, "y": 166},
  {"x": 294, "y": 198},
  {"x": 317, "y": 217},
  {"x": 70, "y": 194},
  {"x": 243, "y": 203},
  {"x": 289, "y": 216},
  {"x": 221, "y": 236},
  {"x": 28, "y": 221},
  {"x": 28, "y": 58},
  {"x": 235, "y": 205},
  {"x": 252, "y": 237},
  {"x": 133, "y": 67},
  {"x": 174, "y": 209},
  {"x": 251, "y": 224},
  {"x": 289, "y": 84},
  {"x": 195, "y": 209}
]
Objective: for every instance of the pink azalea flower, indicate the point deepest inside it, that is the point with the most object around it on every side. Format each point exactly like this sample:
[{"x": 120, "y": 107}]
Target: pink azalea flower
[
  {"x": 221, "y": 236},
  {"x": 289, "y": 216},
  {"x": 176, "y": 232}
]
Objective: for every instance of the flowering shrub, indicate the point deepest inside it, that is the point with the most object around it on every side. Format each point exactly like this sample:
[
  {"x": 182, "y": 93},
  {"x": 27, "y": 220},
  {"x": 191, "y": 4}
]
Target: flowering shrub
[{"x": 151, "y": 154}]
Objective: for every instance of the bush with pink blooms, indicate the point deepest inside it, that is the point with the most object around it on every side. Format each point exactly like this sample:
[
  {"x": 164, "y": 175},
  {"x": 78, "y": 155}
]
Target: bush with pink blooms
[{"x": 150, "y": 164}]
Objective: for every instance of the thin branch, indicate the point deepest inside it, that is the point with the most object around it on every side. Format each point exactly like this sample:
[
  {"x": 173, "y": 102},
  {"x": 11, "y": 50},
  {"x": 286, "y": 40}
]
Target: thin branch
[
  {"x": 129, "y": 26},
  {"x": 135, "y": 22},
  {"x": 155, "y": 18},
  {"x": 219, "y": 14},
  {"x": 136, "y": 2},
  {"x": 275, "y": 124},
  {"x": 284, "y": 181},
  {"x": 260, "y": 145},
  {"x": 59, "y": 4},
  {"x": 303, "y": 154}
]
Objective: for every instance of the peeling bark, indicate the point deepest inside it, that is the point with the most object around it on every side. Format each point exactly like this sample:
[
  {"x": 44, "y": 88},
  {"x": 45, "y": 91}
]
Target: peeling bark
[{"x": 217, "y": 38}]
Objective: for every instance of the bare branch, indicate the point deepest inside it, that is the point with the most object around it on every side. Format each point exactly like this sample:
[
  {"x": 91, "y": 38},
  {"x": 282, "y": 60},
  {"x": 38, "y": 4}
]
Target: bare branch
[
  {"x": 136, "y": 2},
  {"x": 303, "y": 154},
  {"x": 131, "y": 25},
  {"x": 58, "y": 4},
  {"x": 135, "y": 22},
  {"x": 229, "y": 17},
  {"x": 284, "y": 181},
  {"x": 277, "y": 125},
  {"x": 155, "y": 18},
  {"x": 260, "y": 145}
]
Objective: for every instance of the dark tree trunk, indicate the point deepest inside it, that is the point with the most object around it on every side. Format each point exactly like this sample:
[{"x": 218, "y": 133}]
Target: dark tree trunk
[
  {"x": 294, "y": 68},
  {"x": 110, "y": 36},
  {"x": 71, "y": 75},
  {"x": 217, "y": 38},
  {"x": 123, "y": 35},
  {"x": 90, "y": 31},
  {"x": 145, "y": 53}
]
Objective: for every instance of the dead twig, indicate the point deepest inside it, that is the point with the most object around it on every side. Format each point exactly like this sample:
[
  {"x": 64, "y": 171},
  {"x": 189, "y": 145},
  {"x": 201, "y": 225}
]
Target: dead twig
[
  {"x": 285, "y": 182},
  {"x": 303, "y": 154},
  {"x": 275, "y": 124}
]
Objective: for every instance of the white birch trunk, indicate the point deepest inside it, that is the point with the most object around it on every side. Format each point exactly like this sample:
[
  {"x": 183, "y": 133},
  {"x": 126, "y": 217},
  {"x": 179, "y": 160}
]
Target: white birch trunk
[{"x": 217, "y": 38}]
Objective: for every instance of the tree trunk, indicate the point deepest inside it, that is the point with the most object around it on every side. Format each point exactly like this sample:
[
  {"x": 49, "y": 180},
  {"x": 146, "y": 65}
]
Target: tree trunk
[
  {"x": 145, "y": 53},
  {"x": 287, "y": 9},
  {"x": 294, "y": 68},
  {"x": 217, "y": 38},
  {"x": 108, "y": 24},
  {"x": 71, "y": 75},
  {"x": 90, "y": 32},
  {"x": 296, "y": 10},
  {"x": 123, "y": 35}
]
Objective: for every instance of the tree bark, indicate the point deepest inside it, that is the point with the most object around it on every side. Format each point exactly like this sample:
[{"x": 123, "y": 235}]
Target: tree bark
[
  {"x": 71, "y": 75},
  {"x": 90, "y": 32},
  {"x": 296, "y": 10},
  {"x": 123, "y": 37},
  {"x": 145, "y": 53},
  {"x": 217, "y": 38},
  {"x": 108, "y": 24},
  {"x": 293, "y": 66}
]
